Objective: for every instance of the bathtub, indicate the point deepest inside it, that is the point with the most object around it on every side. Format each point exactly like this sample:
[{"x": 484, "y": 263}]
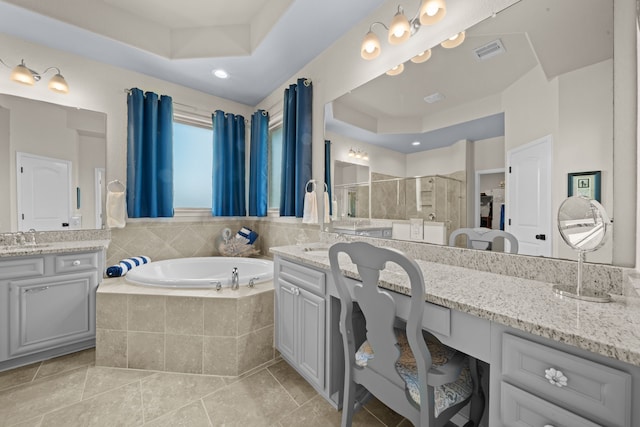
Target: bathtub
[{"x": 204, "y": 272}]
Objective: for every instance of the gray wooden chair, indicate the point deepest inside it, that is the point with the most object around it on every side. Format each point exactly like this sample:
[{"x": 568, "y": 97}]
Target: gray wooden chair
[
  {"x": 411, "y": 372},
  {"x": 483, "y": 238}
]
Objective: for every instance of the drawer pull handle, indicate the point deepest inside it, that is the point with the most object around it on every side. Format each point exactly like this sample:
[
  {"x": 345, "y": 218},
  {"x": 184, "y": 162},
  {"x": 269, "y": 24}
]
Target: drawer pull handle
[
  {"x": 76, "y": 263},
  {"x": 548, "y": 425},
  {"x": 555, "y": 377},
  {"x": 34, "y": 290},
  {"x": 295, "y": 291}
]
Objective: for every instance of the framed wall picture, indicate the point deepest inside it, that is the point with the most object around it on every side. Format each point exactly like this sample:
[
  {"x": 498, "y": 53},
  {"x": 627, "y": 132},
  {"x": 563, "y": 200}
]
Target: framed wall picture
[{"x": 585, "y": 184}]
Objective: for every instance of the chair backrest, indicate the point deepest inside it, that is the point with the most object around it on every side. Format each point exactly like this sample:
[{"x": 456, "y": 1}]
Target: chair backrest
[
  {"x": 482, "y": 238},
  {"x": 378, "y": 308}
]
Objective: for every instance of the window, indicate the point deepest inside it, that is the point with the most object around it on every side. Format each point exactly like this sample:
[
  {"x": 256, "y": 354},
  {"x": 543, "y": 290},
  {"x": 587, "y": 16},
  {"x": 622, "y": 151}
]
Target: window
[
  {"x": 275, "y": 166},
  {"x": 192, "y": 166}
]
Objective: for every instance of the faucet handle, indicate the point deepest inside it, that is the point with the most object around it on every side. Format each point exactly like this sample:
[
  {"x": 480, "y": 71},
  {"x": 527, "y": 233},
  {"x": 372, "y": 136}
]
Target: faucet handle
[{"x": 252, "y": 281}]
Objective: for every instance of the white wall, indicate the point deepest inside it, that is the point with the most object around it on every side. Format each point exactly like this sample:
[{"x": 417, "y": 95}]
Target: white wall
[
  {"x": 489, "y": 153},
  {"x": 100, "y": 87},
  {"x": 440, "y": 161}
]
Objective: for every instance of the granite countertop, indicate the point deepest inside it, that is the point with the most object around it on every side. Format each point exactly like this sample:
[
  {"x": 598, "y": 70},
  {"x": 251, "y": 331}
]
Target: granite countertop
[
  {"x": 52, "y": 248},
  {"x": 610, "y": 329}
]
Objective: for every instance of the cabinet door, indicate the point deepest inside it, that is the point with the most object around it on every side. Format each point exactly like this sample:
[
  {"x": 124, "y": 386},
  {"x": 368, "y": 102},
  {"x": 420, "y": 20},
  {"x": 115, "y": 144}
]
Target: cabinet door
[
  {"x": 47, "y": 312},
  {"x": 311, "y": 346},
  {"x": 286, "y": 320}
]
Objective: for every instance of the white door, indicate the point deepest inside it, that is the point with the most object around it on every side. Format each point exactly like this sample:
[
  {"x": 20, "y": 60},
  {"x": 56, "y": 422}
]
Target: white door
[
  {"x": 44, "y": 192},
  {"x": 528, "y": 206}
]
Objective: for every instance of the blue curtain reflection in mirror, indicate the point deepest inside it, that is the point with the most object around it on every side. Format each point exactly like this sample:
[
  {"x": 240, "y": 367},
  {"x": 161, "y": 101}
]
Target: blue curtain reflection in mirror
[
  {"x": 296, "y": 149},
  {"x": 149, "y": 155},
  {"x": 258, "y": 164},
  {"x": 228, "y": 165}
]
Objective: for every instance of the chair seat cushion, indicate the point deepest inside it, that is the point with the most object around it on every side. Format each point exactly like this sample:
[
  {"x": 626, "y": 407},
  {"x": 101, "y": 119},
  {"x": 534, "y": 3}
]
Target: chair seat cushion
[{"x": 445, "y": 395}]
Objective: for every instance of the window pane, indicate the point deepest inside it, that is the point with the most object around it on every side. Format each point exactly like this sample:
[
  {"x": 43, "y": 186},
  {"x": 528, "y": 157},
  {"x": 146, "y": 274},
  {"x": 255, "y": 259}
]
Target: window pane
[
  {"x": 192, "y": 166},
  {"x": 275, "y": 167}
]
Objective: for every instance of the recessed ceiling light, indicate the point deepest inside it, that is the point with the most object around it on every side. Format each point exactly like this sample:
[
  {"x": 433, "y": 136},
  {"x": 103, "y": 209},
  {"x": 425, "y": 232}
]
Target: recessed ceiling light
[
  {"x": 415, "y": 143},
  {"x": 221, "y": 74}
]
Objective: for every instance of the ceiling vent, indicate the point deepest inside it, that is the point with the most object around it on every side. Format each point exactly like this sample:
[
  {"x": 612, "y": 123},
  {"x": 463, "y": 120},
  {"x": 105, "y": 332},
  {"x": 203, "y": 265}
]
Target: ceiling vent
[
  {"x": 489, "y": 50},
  {"x": 434, "y": 97}
]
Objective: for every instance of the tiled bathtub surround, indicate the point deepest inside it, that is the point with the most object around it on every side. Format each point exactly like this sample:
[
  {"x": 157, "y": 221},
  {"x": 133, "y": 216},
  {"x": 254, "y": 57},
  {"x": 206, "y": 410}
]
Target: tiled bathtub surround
[
  {"x": 189, "y": 331},
  {"x": 172, "y": 239},
  {"x": 601, "y": 277}
]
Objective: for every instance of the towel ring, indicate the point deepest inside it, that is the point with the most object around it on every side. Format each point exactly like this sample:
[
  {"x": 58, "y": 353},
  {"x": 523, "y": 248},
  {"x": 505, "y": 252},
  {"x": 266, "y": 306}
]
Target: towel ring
[
  {"x": 313, "y": 188},
  {"x": 120, "y": 186}
]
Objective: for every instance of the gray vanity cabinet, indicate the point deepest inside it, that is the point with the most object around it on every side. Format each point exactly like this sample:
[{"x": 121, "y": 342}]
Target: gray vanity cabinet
[
  {"x": 300, "y": 319},
  {"x": 48, "y": 305}
]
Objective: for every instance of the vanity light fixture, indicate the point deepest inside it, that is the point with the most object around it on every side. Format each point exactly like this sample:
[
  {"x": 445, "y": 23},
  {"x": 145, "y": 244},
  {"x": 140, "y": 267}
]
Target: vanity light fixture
[
  {"x": 421, "y": 57},
  {"x": 402, "y": 28},
  {"x": 26, "y": 76},
  {"x": 398, "y": 69},
  {"x": 453, "y": 41},
  {"x": 358, "y": 154}
]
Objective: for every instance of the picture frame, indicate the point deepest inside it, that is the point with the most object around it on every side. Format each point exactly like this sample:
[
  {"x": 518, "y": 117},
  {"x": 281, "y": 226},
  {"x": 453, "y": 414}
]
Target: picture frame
[{"x": 585, "y": 184}]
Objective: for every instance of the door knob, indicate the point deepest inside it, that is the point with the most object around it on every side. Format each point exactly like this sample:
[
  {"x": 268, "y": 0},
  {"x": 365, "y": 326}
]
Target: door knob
[{"x": 541, "y": 236}]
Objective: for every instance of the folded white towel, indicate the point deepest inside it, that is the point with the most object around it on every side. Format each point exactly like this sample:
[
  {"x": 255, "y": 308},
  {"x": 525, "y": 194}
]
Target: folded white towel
[
  {"x": 310, "y": 210},
  {"x": 327, "y": 206},
  {"x": 116, "y": 205}
]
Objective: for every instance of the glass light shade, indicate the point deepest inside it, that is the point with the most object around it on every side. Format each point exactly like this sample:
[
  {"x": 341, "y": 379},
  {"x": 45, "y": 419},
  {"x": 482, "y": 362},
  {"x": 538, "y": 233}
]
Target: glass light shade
[
  {"x": 21, "y": 74},
  {"x": 365, "y": 156},
  {"x": 58, "y": 84},
  {"x": 398, "y": 69},
  {"x": 454, "y": 41},
  {"x": 351, "y": 153},
  {"x": 370, "y": 46},
  {"x": 421, "y": 57},
  {"x": 432, "y": 11},
  {"x": 400, "y": 29}
]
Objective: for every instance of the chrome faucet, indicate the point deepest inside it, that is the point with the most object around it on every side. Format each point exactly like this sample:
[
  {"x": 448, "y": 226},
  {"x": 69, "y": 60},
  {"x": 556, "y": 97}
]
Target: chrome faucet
[{"x": 235, "y": 282}]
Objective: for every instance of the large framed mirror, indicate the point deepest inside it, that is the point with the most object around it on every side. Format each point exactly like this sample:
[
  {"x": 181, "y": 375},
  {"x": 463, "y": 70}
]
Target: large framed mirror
[
  {"x": 532, "y": 76},
  {"x": 53, "y": 166}
]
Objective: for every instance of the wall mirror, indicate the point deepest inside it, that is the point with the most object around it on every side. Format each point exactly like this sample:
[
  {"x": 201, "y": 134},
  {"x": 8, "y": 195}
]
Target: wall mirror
[
  {"x": 53, "y": 166},
  {"x": 537, "y": 71}
]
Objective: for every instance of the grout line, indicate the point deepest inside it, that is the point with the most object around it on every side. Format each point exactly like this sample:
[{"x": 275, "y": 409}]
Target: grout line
[
  {"x": 141, "y": 399},
  {"x": 285, "y": 389},
  {"x": 84, "y": 386},
  {"x": 206, "y": 412},
  {"x": 36, "y": 373}
]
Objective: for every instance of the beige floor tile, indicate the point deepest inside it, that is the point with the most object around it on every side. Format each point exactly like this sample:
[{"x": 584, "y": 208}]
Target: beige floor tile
[
  {"x": 18, "y": 376},
  {"x": 166, "y": 392},
  {"x": 383, "y": 413},
  {"x": 101, "y": 379},
  {"x": 67, "y": 362},
  {"x": 120, "y": 407},
  {"x": 34, "y": 422},
  {"x": 258, "y": 400},
  {"x": 296, "y": 386},
  {"x": 318, "y": 413},
  {"x": 192, "y": 415},
  {"x": 39, "y": 397}
]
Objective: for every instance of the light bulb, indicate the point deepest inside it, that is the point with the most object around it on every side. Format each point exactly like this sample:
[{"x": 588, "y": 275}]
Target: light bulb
[
  {"x": 421, "y": 57},
  {"x": 432, "y": 11},
  {"x": 398, "y": 69},
  {"x": 370, "y": 46},
  {"x": 358, "y": 155},
  {"x": 453, "y": 41},
  {"x": 400, "y": 29}
]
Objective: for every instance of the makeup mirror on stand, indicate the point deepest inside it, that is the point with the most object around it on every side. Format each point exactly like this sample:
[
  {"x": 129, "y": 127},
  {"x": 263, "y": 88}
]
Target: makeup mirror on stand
[{"x": 583, "y": 224}]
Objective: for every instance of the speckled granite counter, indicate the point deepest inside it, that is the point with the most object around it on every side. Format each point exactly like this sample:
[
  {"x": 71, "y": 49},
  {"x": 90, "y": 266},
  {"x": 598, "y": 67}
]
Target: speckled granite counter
[
  {"x": 52, "y": 248},
  {"x": 611, "y": 329}
]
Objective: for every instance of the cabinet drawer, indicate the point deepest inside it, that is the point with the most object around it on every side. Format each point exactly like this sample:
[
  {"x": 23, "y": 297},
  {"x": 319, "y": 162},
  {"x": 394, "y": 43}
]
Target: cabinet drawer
[
  {"x": 75, "y": 262},
  {"x": 597, "y": 391},
  {"x": 521, "y": 409},
  {"x": 306, "y": 278},
  {"x": 21, "y": 267}
]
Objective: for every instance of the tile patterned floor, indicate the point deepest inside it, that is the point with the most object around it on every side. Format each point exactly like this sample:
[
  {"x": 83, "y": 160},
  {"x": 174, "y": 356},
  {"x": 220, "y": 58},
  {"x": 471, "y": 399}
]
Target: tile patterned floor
[{"x": 71, "y": 391}]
